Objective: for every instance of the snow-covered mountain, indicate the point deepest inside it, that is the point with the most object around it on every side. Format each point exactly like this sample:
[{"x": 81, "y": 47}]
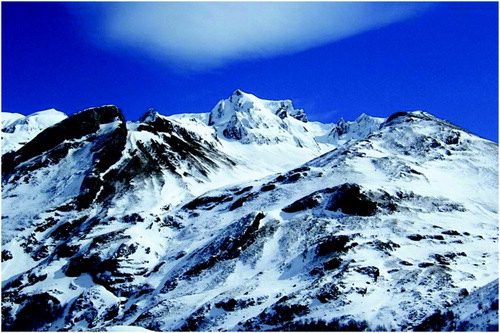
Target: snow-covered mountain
[
  {"x": 249, "y": 217},
  {"x": 18, "y": 129},
  {"x": 251, "y": 120}
]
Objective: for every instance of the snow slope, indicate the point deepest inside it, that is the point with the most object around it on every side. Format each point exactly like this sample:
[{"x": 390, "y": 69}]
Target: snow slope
[
  {"x": 18, "y": 129},
  {"x": 477, "y": 311},
  {"x": 169, "y": 224}
]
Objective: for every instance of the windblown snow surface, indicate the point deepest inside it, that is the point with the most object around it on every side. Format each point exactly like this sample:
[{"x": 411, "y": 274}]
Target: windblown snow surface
[
  {"x": 249, "y": 217},
  {"x": 18, "y": 129}
]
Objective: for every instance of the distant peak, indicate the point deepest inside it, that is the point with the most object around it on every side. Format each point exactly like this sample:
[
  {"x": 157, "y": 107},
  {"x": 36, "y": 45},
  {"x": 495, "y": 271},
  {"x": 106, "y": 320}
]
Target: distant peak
[
  {"x": 150, "y": 115},
  {"x": 239, "y": 94},
  {"x": 47, "y": 112},
  {"x": 242, "y": 102},
  {"x": 405, "y": 115}
]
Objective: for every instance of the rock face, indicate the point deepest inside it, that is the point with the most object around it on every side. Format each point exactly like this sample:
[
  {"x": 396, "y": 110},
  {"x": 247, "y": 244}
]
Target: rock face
[{"x": 189, "y": 222}]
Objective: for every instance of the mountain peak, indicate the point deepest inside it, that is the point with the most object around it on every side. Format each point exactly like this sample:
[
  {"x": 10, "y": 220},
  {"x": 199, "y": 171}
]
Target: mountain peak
[
  {"x": 149, "y": 115},
  {"x": 240, "y": 97},
  {"x": 240, "y": 101},
  {"x": 248, "y": 118},
  {"x": 238, "y": 92}
]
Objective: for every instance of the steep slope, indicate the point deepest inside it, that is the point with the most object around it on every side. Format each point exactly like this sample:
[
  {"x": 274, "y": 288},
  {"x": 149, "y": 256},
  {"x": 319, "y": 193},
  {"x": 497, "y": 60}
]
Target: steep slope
[
  {"x": 381, "y": 233},
  {"x": 474, "y": 312},
  {"x": 18, "y": 129},
  {"x": 401, "y": 219}
]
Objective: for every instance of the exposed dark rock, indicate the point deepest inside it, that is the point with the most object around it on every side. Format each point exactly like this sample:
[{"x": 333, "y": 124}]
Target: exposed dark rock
[
  {"x": 385, "y": 247},
  {"x": 133, "y": 218},
  {"x": 405, "y": 263},
  {"x": 301, "y": 169},
  {"x": 342, "y": 324},
  {"x": 328, "y": 292},
  {"x": 349, "y": 200},
  {"x": 42, "y": 252},
  {"x": 34, "y": 278},
  {"x": 107, "y": 238},
  {"x": 307, "y": 202},
  {"x": 279, "y": 179},
  {"x": 435, "y": 322},
  {"x": 178, "y": 146},
  {"x": 7, "y": 316},
  {"x": 46, "y": 224},
  {"x": 282, "y": 313},
  {"x": 6, "y": 255},
  {"x": 232, "y": 304},
  {"x": 169, "y": 285},
  {"x": 171, "y": 222},
  {"x": 371, "y": 271},
  {"x": 299, "y": 114},
  {"x": 451, "y": 232},
  {"x": 332, "y": 264},
  {"x": 234, "y": 130},
  {"x": 65, "y": 230},
  {"x": 80, "y": 264},
  {"x": 125, "y": 250},
  {"x": 398, "y": 115},
  {"x": 332, "y": 244},
  {"x": 415, "y": 237},
  {"x": 195, "y": 320},
  {"x": 243, "y": 190},
  {"x": 267, "y": 187},
  {"x": 425, "y": 264},
  {"x": 453, "y": 138},
  {"x": 463, "y": 292},
  {"x": 36, "y": 312},
  {"x": 281, "y": 112},
  {"x": 437, "y": 237},
  {"x": 155, "y": 269},
  {"x": 441, "y": 259},
  {"x": 30, "y": 243},
  {"x": 180, "y": 255},
  {"x": 107, "y": 150},
  {"x": 293, "y": 178},
  {"x": 88, "y": 191},
  {"x": 231, "y": 246},
  {"x": 65, "y": 250},
  {"x": 241, "y": 201},
  {"x": 207, "y": 202}
]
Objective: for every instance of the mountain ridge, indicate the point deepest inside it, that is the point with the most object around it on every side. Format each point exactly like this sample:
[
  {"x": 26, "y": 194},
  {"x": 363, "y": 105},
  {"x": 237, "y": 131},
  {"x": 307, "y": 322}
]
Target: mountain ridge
[{"x": 167, "y": 224}]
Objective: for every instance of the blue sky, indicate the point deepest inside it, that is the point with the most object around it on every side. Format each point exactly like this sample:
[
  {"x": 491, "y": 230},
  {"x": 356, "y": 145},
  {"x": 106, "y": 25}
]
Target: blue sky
[{"x": 332, "y": 59}]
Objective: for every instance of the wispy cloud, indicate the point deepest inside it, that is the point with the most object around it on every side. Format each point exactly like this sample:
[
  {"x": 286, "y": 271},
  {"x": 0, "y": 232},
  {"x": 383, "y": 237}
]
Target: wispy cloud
[{"x": 209, "y": 34}]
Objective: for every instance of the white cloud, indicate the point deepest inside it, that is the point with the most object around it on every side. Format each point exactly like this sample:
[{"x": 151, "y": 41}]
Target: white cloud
[{"x": 209, "y": 34}]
